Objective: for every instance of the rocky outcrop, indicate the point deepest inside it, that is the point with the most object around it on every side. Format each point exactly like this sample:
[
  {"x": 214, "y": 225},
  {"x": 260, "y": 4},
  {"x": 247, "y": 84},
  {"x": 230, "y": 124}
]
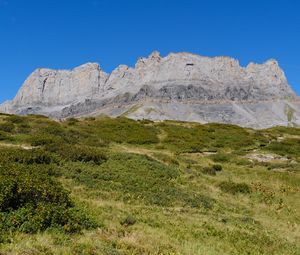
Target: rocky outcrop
[
  {"x": 200, "y": 88},
  {"x": 45, "y": 87}
]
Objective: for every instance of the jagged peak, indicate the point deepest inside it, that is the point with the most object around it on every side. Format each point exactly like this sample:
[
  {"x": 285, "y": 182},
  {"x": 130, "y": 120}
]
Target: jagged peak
[
  {"x": 121, "y": 68},
  {"x": 89, "y": 65},
  {"x": 269, "y": 62},
  {"x": 155, "y": 55}
]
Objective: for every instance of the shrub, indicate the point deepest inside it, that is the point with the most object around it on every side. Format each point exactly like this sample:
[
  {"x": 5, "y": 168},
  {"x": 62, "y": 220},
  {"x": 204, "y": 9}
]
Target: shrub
[
  {"x": 197, "y": 201},
  {"x": 16, "y": 119},
  {"x": 41, "y": 139},
  {"x": 234, "y": 188},
  {"x": 20, "y": 186},
  {"x": 4, "y": 136},
  {"x": 122, "y": 130},
  {"x": 90, "y": 118},
  {"x": 35, "y": 156},
  {"x": 37, "y": 116},
  {"x": 208, "y": 170},
  {"x": 72, "y": 121},
  {"x": 279, "y": 130},
  {"x": 135, "y": 178},
  {"x": 31, "y": 219},
  {"x": 198, "y": 138},
  {"x": 287, "y": 147},
  {"x": 31, "y": 201},
  {"x": 220, "y": 157},
  {"x": 80, "y": 153},
  {"x": 53, "y": 128},
  {"x": 7, "y": 127},
  {"x": 145, "y": 121},
  {"x": 128, "y": 221},
  {"x": 132, "y": 178},
  {"x": 23, "y": 128},
  {"x": 217, "y": 167}
]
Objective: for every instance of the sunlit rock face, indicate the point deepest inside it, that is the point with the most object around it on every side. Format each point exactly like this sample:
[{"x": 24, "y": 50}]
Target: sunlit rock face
[
  {"x": 59, "y": 87},
  {"x": 180, "y": 86}
]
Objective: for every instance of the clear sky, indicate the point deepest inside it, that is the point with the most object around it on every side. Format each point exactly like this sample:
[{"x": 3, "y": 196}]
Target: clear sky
[{"x": 66, "y": 33}]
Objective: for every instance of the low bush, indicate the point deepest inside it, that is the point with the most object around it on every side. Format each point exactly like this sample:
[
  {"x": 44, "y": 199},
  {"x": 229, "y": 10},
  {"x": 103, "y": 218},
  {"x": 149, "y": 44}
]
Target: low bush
[
  {"x": 90, "y": 118},
  {"x": 31, "y": 201},
  {"x": 53, "y": 128},
  {"x": 35, "y": 156},
  {"x": 41, "y": 139},
  {"x": 134, "y": 179},
  {"x": 31, "y": 219},
  {"x": 128, "y": 221},
  {"x": 198, "y": 200},
  {"x": 23, "y": 128},
  {"x": 122, "y": 130},
  {"x": 217, "y": 167},
  {"x": 4, "y": 136},
  {"x": 234, "y": 188},
  {"x": 79, "y": 153},
  {"x": 20, "y": 186},
  {"x": 220, "y": 157},
  {"x": 16, "y": 119},
  {"x": 141, "y": 179},
  {"x": 208, "y": 170},
  {"x": 72, "y": 121},
  {"x": 288, "y": 147},
  {"x": 209, "y": 137},
  {"x": 7, "y": 127},
  {"x": 279, "y": 130}
]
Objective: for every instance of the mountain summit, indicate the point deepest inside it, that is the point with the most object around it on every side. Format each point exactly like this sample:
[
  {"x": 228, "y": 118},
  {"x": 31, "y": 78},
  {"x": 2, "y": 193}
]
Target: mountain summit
[{"x": 180, "y": 86}]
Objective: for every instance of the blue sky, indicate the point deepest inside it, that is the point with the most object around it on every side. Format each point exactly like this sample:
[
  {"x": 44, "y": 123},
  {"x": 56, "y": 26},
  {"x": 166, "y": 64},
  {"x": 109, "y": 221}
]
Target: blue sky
[{"x": 66, "y": 33}]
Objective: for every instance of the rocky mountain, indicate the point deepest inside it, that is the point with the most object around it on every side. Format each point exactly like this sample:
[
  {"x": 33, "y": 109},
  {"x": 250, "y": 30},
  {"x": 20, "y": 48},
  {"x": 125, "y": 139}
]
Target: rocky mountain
[{"x": 180, "y": 86}]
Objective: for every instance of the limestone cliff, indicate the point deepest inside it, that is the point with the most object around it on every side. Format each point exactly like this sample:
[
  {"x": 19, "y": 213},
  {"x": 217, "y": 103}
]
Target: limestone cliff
[{"x": 179, "y": 86}]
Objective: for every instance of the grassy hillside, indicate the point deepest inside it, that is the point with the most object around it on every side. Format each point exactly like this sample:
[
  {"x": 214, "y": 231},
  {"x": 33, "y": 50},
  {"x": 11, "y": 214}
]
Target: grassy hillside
[{"x": 118, "y": 186}]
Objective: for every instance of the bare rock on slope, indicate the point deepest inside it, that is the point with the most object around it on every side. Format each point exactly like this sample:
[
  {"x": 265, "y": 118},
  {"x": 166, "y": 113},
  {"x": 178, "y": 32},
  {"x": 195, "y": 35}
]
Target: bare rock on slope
[
  {"x": 52, "y": 88},
  {"x": 179, "y": 86}
]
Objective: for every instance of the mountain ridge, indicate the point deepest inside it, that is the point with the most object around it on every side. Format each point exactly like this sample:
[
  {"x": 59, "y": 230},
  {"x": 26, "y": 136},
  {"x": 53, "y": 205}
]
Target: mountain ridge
[{"x": 165, "y": 84}]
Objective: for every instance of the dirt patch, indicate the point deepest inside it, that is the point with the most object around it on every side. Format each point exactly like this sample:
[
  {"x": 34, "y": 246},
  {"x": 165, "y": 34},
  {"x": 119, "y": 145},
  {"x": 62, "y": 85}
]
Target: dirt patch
[
  {"x": 265, "y": 157},
  {"x": 25, "y": 147}
]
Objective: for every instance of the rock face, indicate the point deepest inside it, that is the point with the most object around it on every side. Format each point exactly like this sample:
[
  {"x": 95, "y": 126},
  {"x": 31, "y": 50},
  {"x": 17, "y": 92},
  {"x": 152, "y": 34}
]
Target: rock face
[
  {"x": 180, "y": 86},
  {"x": 45, "y": 87}
]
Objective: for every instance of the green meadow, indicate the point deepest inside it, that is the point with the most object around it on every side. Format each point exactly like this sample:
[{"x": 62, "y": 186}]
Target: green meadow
[{"x": 99, "y": 185}]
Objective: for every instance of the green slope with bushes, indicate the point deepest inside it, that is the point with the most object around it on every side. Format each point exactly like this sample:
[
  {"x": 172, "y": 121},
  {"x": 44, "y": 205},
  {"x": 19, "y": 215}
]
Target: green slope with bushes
[{"x": 119, "y": 186}]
